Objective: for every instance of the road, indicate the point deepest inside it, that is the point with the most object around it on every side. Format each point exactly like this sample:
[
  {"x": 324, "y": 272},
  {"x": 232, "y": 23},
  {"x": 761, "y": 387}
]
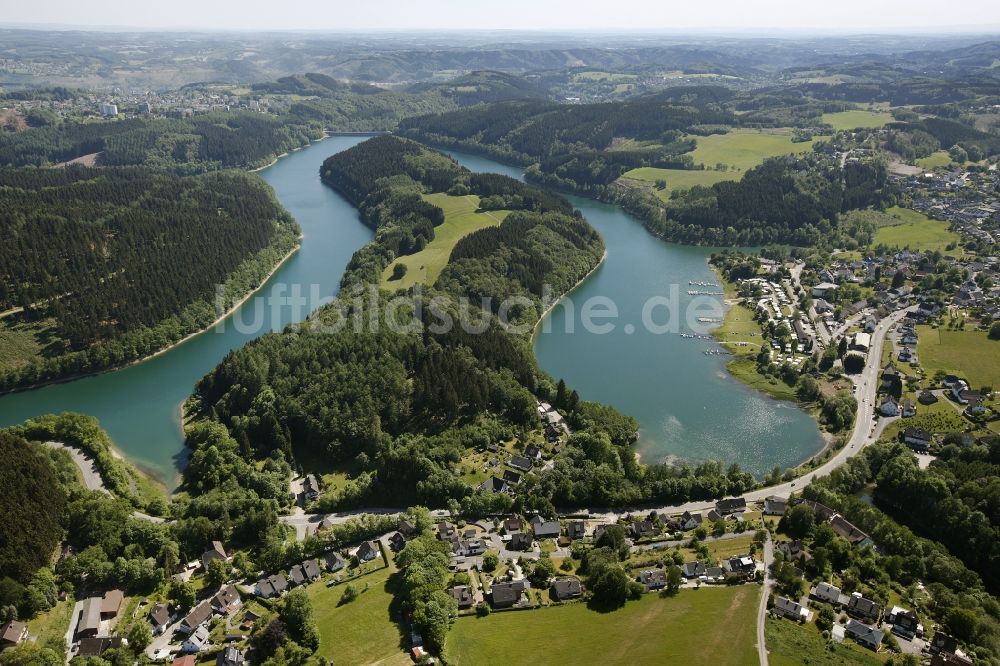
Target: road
[
  {"x": 765, "y": 593},
  {"x": 92, "y": 479}
]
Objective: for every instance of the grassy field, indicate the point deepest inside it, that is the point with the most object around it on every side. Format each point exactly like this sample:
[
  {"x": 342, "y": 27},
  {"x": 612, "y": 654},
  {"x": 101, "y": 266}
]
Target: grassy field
[
  {"x": 460, "y": 220},
  {"x": 787, "y": 642},
  {"x": 745, "y": 149},
  {"x": 917, "y": 231},
  {"x": 937, "y": 159},
  {"x": 52, "y": 624},
  {"x": 22, "y": 342},
  {"x": 677, "y": 179},
  {"x": 362, "y": 631},
  {"x": 846, "y": 120},
  {"x": 968, "y": 354},
  {"x": 941, "y": 417},
  {"x": 708, "y": 626}
]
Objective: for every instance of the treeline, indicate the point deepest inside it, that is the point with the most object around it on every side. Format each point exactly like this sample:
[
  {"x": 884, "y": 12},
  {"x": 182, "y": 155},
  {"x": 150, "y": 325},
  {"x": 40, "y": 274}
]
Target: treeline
[
  {"x": 785, "y": 193},
  {"x": 126, "y": 260}
]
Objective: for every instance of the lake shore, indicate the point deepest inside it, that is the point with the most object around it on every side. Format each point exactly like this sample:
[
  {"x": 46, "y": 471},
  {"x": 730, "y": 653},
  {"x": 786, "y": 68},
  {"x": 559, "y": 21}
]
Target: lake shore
[{"x": 534, "y": 329}]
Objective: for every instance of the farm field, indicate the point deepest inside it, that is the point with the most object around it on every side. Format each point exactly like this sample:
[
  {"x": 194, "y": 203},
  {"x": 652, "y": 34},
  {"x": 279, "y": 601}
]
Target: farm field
[
  {"x": 708, "y": 626},
  {"x": 745, "y": 149},
  {"x": 461, "y": 219},
  {"x": 846, "y": 120},
  {"x": 677, "y": 179},
  {"x": 916, "y": 231},
  {"x": 968, "y": 354},
  {"x": 788, "y": 641},
  {"x": 362, "y": 631}
]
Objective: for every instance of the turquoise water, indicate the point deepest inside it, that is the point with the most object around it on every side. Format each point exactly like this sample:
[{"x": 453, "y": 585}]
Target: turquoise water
[{"x": 686, "y": 403}]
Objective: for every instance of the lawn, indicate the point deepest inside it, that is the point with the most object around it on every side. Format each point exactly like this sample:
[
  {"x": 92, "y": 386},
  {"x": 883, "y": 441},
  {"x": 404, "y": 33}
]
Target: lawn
[
  {"x": 677, "y": 179},
  {"x": 939, "y": 158},
  {"x": 362, "y": 631},
  {"x": 916, "y": 231},
  {"x": 787, "y": 642},
  {"x": 745, "y": 370},
  {"x": 941, "y": 417},
  {"x": 460, "y": 219},
  {"x": 707, "y": 626},
  {"x": 745, "y": 149},
  {"x": 847, "y": 120},
  {"x": 968, "y": 354}
]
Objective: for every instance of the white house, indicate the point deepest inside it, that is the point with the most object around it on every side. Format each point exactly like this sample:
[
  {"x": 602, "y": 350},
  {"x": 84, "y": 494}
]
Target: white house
[{"x": 197, "y": 641}]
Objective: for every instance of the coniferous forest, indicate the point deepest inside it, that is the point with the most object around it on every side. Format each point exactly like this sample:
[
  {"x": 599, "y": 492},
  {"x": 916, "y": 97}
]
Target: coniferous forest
[{"x": 114, "y": 263}]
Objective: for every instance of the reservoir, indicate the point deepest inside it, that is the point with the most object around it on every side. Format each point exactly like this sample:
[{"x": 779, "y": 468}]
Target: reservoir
[{"x": 687, "y": 405}]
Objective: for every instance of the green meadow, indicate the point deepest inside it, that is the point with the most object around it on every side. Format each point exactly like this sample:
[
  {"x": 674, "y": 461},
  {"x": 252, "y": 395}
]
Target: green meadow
[
  {"x": 461, "y": 218},
  {"x": 847, "y": 120},
  {"x": 677, "y": 179},
  {"x": 745, "y": 149},
  {"x": 916, "y": 231}
]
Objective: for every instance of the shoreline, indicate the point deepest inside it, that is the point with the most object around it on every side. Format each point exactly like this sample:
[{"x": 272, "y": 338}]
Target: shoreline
[
  {"x": 828, "y": 439},
  {"x": 148, "y": 357},
  {"x": 534, "y": 329}
]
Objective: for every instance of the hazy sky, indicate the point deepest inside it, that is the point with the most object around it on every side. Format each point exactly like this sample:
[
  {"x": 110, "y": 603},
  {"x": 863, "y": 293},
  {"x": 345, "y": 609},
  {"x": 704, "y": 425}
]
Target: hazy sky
[{"x": 840, "y": 15}]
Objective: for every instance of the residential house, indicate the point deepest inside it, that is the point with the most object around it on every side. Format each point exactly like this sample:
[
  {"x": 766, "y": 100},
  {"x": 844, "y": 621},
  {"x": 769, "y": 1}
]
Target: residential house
[
  {"x": 576, "y": 529},
  {"x": 512, "y": 524},
  {"x": 822, "y": 306},
  {"x": 367, "y": 551},
  {"x": 785, "y": 607},
  {"x": 462, "y": 594},
  {"x": 197, "y": 641},
  {"x": 545, "y": 529},
  {"x": 775, "y": 506},
  {"x": 272, "y": 586},
  {"x": 533, "y": 453},
  {"x": 495, "y": 484},
  {"x": 908, "y": 409},
  {"x": 653, "y": 579},
  {"x": 949, "y": 659},
  {"x": 397, "y": 542},
  {"x": 870, "y": 637},
  {"x": 926, "y": 398},
  {"x": 693, "y": 569},
  {"x": 198, "y": 616},
  {"x": 159, "y": 618},
  {"x": 567, "y": 588},
  {"x": 446, "y": 531},
  {"x": 917, "y": 439},
  {"x": 333, "y": 561},
  {"x": 312, "y": 570},
  {"x": 505, "y": 595},
  {"x": 520, "y": 541},
  {"x": 215, "y": 552},
  {"x": 904, "y": 622},
  {"x": 310, "y": 488},
  {"x": 844, "y": 528},
  {"x": 822, "y": 289},
  {"x": 731, "y": 505},
  {"x": 93, "y": 647},
  {"x": 715, "y": 573},
  {"x": 14, "y": 632},
  {"x": 296, "y": 575},
  {"x": 643, "y": 528},
  {"x": 863, "y": 609},
  {"x": 111, "y": 604},
  {"x": 792, "y": 550},
  {"x": 828, "y": 593},
  {"x": 90, "y": 618},
  {"x": 186, "y": 660},
  {"x": 231, "y": 656},
  {"x": 520, "y": 463},
  {"x": 889, "y": 407},
  {"x": 407, "y": 529},
  {"x": 690, "y": 521},
  {"x": 713, "y": 516},
  {"x": 741, "y": 565},
  {"x": 511, "y": 478},
  {"x": 226, "y": 601}
]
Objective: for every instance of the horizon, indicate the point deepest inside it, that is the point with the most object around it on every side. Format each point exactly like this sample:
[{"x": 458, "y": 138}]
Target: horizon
[{"x": 640, "y": 17}]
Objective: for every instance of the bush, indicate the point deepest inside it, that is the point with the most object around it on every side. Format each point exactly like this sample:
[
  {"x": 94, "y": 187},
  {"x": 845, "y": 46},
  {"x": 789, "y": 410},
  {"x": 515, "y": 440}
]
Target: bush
[{"x": 398, "y": 272}]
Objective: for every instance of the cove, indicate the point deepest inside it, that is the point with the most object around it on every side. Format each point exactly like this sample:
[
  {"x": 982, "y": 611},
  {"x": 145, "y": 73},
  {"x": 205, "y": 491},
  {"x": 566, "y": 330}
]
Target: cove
[
  {"x": 688, "y": 405},
  {"x": 139, "y": 405}
]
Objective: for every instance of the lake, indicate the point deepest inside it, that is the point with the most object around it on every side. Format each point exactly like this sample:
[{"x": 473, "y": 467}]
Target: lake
[{"x": 687, "y": 405}]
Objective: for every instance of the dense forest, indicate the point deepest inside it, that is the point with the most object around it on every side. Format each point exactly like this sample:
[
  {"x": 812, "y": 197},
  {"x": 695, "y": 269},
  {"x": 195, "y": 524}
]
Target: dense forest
[{"x": 117, "y": 262}]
